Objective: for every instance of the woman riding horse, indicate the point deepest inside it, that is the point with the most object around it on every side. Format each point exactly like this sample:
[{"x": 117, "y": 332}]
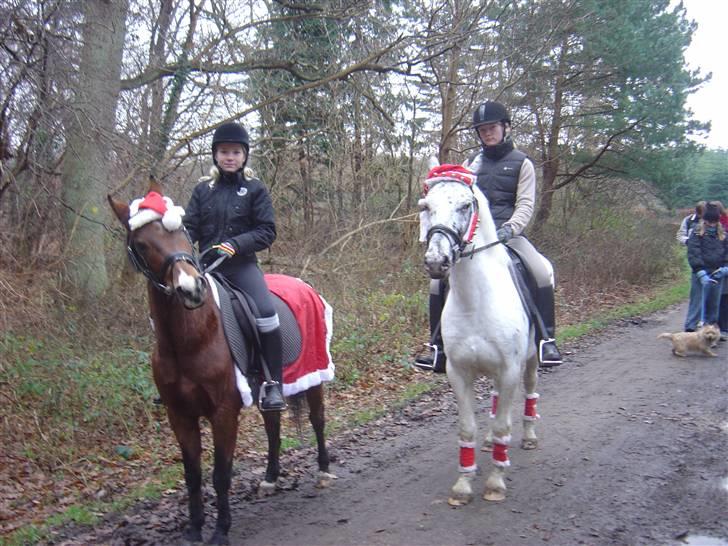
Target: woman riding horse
[
  {"x": 233, "y": 214},
  {"x": 507, "y": 178}
]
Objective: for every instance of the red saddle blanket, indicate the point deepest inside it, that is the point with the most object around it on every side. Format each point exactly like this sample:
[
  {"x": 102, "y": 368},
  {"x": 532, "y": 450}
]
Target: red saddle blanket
[{"x": 315, "y": 320}]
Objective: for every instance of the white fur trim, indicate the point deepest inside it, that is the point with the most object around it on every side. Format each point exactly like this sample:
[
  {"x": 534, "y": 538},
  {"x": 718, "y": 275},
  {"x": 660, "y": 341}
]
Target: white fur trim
[
  {"x": 172, "y": 219},
  {"x": 463, "y": 469},
  {"x": 532, "y": 396},
  {"x": 317, "y": 377},
  {"x": 502, "y": 464},
  {"x": 243, "y": 387},
  {"x": 505, "y": 440},
  {"x": 529, "y": 418},
  {"x": 142, "y": 218},
  {"x": 462, "y": 443}
]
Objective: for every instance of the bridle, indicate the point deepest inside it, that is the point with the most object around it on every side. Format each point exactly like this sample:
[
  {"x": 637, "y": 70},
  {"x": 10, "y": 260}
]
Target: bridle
[
  {"x": 459, "y": 241},
  {"x": 141, "y": 265}
]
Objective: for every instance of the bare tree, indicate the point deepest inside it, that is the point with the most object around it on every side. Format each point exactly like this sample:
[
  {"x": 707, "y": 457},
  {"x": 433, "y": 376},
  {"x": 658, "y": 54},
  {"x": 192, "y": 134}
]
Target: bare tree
[{"x": 90, "y": 144}]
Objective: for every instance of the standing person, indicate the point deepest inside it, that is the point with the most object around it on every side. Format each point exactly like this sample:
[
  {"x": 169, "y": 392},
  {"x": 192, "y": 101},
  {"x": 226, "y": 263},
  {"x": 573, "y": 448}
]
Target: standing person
[
  {"x": 723, "y": 308},
  {"x": 233, "y": 214},
  {"x": 708, "y": 259},
  {"x": 508, "y": 179},
  {"x": 689, "y": 222},
  {"x": 696, "y": 290}
]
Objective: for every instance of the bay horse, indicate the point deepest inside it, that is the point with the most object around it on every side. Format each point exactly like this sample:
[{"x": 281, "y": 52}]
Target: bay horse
[
  {"x": 485, "y": 328},
  {"x": 192, "y": 365}
]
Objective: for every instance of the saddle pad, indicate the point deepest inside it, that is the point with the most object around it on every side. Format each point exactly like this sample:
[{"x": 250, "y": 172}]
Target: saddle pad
[
  {"x": 290, "y": 332},
  {"x": 314, "y": 318}
]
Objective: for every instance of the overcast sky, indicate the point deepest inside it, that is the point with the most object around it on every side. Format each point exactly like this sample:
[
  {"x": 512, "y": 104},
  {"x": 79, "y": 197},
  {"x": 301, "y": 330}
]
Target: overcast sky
[{"x": 708, "y": 52}]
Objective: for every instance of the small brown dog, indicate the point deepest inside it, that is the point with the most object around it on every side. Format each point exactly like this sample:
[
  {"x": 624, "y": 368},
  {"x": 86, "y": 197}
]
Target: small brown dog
[{"x": 700, "y": 341}]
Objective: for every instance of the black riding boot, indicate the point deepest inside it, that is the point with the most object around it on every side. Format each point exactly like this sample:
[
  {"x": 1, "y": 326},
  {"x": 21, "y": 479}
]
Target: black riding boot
[
  {"x": 549, "y": 354},
  {"x": 435, "y": 360},
  {"x": 271, "y": 393}
]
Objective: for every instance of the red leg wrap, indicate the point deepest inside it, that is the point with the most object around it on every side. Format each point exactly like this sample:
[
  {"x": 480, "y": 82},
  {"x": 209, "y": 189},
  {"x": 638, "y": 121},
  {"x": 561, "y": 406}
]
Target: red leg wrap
[
  {"x": 500, "y": 454},
  {"x": 467, "y": 457}
]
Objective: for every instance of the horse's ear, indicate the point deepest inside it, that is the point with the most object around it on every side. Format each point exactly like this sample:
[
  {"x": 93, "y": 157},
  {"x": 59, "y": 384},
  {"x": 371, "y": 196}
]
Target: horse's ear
[
  {"x": 155, "y": 186},
  {"x": 432, "y": 162},
  {"x": 121, "y": 209}
]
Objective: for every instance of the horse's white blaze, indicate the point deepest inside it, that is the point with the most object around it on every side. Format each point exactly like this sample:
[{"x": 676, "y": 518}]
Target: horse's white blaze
[
  {"x": 485, "y": 329},
  {"x": 187, "y": 283}
]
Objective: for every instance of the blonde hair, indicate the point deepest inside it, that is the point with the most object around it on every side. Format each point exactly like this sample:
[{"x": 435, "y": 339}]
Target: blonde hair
[
  {"x": 214, "y": 175},
  {"x": 700, "y": 229}
]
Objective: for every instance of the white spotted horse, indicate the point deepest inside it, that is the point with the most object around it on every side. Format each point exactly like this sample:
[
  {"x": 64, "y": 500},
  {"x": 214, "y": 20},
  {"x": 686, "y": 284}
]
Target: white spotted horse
[
  {"x": 192, "y": 362},
  {"x": 485, "y": 328}
]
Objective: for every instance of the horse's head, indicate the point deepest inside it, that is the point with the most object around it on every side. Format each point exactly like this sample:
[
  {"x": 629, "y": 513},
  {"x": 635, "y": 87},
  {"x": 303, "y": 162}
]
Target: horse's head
[
  {"x": 159, "y": 247},
  {"x": 449, "y": 215}
]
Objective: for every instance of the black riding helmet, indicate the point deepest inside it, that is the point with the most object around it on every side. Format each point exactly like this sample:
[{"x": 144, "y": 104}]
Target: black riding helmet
[
  {"x": 231, "y": 132},
  {"x": 490, "y": 112}
]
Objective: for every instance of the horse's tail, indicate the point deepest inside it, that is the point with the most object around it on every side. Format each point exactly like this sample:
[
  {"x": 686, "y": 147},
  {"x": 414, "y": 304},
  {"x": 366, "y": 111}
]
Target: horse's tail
[
  {"x": 666, "y": 335},
  {"x": 297, "y": 404}
]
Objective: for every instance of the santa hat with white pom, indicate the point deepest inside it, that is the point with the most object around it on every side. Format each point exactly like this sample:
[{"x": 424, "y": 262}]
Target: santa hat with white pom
[{"x": 154, "y": 206}]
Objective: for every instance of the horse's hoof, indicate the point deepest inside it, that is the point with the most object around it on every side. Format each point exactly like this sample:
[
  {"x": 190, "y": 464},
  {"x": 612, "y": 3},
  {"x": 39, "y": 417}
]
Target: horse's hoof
[
  {"x": 529, "y": 443},
  {"x": 494, "y": 496},
  {"x": 219, "y": 539},
  {"x": 325, "y": 479},
  {"x": 459, "y": 501},
  {"x": 192, "y": 534},
  {"x": 265, "y": 489}
]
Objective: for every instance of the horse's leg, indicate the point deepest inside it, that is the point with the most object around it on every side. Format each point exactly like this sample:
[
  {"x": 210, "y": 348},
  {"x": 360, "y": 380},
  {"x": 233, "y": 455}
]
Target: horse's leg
[
  {"x": 495, "y": 485},
  {"x": 272, "y": 420},
  {"x": 530, "y": 415},
  {"x": 488, "y": 440},
  {"x": 224, "y": 434},
  {"x": 462, "y": 491},
  {"x": 315, "y": 400},
  {"x": 187, "y": 431}
]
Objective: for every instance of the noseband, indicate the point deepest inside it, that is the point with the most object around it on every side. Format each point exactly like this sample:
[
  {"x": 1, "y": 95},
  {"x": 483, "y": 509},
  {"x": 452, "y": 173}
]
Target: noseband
[{"x": 141, "y": 265}]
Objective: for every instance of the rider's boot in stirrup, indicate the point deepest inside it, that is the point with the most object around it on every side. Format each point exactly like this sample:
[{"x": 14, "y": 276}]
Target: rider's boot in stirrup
[
  {"x": 434, "y": 360},
  {"x": 548, "y": 353},
  {"x": 271, "y": 394}
]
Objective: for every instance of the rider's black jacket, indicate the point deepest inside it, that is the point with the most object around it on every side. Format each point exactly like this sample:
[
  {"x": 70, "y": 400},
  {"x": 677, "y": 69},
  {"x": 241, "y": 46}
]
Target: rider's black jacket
[
  {"x": 235, "y": 209},
  {"x": 706, "y": 251}
]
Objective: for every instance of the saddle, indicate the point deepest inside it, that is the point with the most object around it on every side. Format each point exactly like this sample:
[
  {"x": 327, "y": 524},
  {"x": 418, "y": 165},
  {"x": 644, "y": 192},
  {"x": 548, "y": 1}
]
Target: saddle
[
  {"x": 237, "y": 310},
  {"x": 526, "y": 288}
]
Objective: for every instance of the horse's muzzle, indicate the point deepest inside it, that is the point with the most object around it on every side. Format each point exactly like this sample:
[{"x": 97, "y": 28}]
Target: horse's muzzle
[
  {"x": 439, "y": 256},
  {"x": 437, "y": 266}
]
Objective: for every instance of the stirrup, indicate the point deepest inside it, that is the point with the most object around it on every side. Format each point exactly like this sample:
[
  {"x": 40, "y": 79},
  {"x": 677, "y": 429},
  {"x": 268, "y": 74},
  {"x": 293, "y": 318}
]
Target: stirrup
[
  {"x": 426, "y": 365},
  {"x": 549, "y": 362},
  {"x": 265, "y": 388}
]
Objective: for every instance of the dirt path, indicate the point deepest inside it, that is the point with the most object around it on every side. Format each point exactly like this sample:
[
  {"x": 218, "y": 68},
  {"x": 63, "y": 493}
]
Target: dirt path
[{"x": 633, "y": 450}]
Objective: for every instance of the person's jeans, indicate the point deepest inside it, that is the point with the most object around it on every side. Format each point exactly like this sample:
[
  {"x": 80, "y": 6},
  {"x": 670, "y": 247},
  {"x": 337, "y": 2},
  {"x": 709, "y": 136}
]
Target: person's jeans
[
  {"x": 694, "y": 304},
  {"x": 711, "y": 295},
  {"x": 723, "y": 309}
]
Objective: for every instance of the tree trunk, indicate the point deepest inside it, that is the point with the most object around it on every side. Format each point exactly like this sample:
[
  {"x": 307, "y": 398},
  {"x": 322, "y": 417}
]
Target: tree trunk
[{"x": 89, "y": 146}]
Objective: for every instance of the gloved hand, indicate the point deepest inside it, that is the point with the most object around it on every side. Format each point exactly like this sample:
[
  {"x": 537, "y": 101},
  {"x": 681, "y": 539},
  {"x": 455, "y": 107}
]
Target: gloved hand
[
  {"x": 227, "y": 249},
  {"x": 504, "y": 233},
  {"x": 704, "y": 278},
  {"x": 720, "y": 272}
]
